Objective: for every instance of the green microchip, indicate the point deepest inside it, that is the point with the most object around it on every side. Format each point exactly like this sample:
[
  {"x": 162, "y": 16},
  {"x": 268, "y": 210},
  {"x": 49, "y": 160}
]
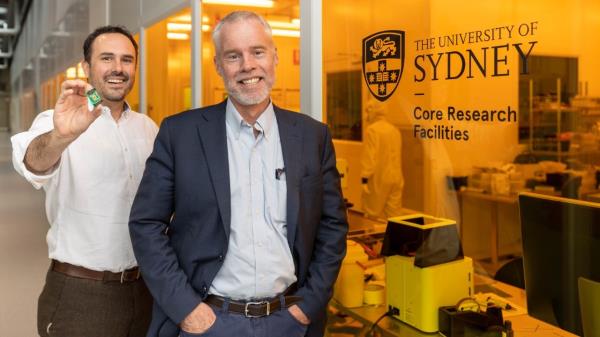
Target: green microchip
[{"x": 93, "y": 97}]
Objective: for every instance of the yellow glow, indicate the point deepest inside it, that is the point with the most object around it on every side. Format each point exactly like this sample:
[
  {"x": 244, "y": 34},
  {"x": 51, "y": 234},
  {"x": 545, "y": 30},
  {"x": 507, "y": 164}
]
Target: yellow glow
[
  {"x": 179, "y": 27},
  {"x": 206, "y": 53},
  {"x": 177, "y": 36},
  {"x": 71, "y": 73},
  {"x": 183, "y": 23},
  {"x": 284, "y": 25},
  {"x": 248, "y": 3},
  {"x": 286, "y": 32},
  {"x": 296, "y": 22},
  {"x": 182, "y": 18},
  {"x": 80, "y": 72}
]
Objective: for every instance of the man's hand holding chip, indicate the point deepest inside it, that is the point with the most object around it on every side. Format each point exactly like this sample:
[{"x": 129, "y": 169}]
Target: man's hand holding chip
[{"x": 72, "y": 115}]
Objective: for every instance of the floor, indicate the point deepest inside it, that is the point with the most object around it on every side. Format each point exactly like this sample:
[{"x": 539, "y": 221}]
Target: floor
[{"x": 23, "y": 252}]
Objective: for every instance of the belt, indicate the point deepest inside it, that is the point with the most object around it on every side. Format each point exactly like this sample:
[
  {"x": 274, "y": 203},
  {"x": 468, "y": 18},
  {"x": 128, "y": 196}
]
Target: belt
[
  {"x": 128, "y": 275},
  {"x": 252, "y": 308}
]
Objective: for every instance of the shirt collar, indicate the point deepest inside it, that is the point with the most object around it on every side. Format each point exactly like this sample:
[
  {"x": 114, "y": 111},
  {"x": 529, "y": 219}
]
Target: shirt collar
[
  {"x": 235, "y": 121},
  {"x": 124, "y": 115},
  {"x": 126, "y": 110}
]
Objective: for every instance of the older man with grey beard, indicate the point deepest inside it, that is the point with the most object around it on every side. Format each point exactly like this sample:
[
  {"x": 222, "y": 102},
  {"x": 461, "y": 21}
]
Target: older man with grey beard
[{"x": 250, "y": 199}]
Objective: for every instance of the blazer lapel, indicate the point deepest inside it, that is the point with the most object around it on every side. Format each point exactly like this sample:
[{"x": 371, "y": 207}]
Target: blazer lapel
[
  {"x": 213, "y": 137},
  {"x": 291, "y": 146}
]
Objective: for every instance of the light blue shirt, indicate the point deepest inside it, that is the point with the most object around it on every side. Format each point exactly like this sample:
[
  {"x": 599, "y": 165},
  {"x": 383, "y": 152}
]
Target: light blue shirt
[{"x": 259, "y": 262}]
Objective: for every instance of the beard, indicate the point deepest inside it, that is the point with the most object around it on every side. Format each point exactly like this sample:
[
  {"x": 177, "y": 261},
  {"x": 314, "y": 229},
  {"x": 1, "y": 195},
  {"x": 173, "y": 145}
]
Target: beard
[
  {"x": 251, "y": 97},
  {"x": 115, "y": 95}
]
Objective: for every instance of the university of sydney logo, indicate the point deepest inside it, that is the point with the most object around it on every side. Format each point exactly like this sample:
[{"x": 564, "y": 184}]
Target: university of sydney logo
[{"x": 383, "y": 62}]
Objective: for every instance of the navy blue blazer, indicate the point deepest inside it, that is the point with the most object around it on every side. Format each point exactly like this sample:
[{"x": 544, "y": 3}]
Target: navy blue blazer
[{"x": 180, "y": 219}]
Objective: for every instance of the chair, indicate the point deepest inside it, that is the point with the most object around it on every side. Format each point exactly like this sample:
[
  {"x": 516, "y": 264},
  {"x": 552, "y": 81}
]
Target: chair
[
  {"x": 512, "y": 273},
  {"x": 589, "y": 304}
]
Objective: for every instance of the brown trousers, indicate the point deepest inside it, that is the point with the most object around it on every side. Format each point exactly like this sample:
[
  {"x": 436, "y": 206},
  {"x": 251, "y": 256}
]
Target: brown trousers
[{"x": 74, "y": 307}]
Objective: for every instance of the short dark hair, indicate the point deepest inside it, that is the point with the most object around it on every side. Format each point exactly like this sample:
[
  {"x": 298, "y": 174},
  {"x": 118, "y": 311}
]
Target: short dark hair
[{"x": 89, "y": 40}]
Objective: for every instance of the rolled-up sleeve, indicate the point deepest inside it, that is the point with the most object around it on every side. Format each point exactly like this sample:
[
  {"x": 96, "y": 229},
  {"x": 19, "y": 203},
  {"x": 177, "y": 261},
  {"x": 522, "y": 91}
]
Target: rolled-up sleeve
[{"x": 20, "y": 142}]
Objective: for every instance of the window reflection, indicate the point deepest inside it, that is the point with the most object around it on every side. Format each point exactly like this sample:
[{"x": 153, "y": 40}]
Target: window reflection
[
  {"x": 169, "y": 66},
  {"x": 544, "y": 77},
  {"x": 133, "y": 98},
  {"x": 344, "y": 105},
  {"x": 169, "y": 59}
]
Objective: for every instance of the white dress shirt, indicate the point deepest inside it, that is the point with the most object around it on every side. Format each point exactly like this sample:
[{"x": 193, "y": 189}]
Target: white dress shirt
[
  {"x": 259, "y": 262},
  {"x": 90, "y": 192}
]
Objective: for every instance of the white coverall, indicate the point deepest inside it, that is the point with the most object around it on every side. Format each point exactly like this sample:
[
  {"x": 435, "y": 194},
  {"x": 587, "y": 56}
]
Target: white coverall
[{"x": 382, "y": 166}]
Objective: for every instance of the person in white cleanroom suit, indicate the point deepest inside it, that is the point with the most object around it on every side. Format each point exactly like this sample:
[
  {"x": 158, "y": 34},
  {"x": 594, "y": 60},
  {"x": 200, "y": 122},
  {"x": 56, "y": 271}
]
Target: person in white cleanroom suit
[{"x": 381, "y": 165}]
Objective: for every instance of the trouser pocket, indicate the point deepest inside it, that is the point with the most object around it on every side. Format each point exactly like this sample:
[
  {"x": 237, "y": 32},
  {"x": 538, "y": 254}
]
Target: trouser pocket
[{"x": 48, "y": 302}]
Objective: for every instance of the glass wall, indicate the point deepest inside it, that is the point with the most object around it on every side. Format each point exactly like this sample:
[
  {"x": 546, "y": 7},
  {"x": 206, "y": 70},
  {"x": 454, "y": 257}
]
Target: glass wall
[
  {"x": 486, "y": 99},
  {"x": 168, "y": 68},
  {"x": 55, "y": 44},
  {"x": 134, "y": 96},
  {"x": 169, "y": 58},
  {"x": 51, "y": 90},
  {"x": 495, "y": 96},
  {"x": 446, "y": 108}
]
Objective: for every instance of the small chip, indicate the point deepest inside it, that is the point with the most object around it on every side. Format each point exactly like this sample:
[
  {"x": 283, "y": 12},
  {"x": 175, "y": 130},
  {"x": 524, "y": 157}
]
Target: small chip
[{"x": 93, "y": 98}]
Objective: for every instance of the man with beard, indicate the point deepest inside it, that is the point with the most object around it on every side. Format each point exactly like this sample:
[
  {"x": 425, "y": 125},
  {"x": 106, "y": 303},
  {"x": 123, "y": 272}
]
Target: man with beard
[
  {"x": 249, "y": 198},
  {"x": 90, "y": 164}
]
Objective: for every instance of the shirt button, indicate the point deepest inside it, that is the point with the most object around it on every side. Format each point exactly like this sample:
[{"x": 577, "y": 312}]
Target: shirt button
[
  {"x": 220, "y": 257},
  {"x": 204, "y": 290},
  {"x": 125, "y": 149}
]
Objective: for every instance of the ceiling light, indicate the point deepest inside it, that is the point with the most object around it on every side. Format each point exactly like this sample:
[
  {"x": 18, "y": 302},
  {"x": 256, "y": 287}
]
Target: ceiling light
[
  {"x": 283, "y": 24},
  {"x": 286, "y": 32},
  {"x": 182, "y": 18},
  {"x": 206, "y": 28},
  {"x": 296, "y": 21},
  {"x": 178, "y": 27},
  {"x": 177, "y": 36},
  {"x": 248, "y": 3}
]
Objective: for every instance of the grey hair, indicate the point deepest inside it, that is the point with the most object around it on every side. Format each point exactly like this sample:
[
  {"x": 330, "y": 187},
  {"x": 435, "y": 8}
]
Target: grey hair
[{"x": 238, "y": 16}]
